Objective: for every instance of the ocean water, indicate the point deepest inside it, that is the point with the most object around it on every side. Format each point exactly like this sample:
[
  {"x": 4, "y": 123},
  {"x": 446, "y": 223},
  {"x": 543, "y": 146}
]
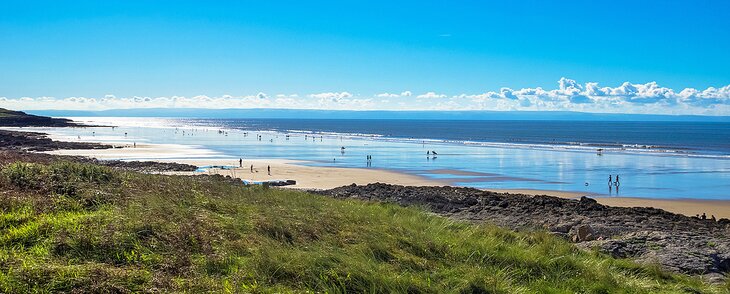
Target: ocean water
[{"x": 653, "y": 159}]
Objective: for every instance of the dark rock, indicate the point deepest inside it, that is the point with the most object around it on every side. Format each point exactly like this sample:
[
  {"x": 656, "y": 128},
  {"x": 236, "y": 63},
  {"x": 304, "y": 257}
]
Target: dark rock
[
  {"x": 583, "y": 233},
  {"x": 28, "y": 141}
]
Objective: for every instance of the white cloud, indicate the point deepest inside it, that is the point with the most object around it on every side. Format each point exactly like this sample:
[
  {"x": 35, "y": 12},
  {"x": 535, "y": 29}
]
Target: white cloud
[
  {"x": 568, "y": 95},
  {"x": 387, "y": 95},
  {"x": 331, "y": 95},
  {"x": 393, "y": 95},
  {"x": 430, "y": 95}
]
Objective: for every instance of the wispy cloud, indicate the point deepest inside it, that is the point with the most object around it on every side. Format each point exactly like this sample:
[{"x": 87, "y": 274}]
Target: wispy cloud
[
  {"x": 568, "y": 95},
  {"x": 394, "y": 95},
  {"x": 430, "y": 95}
]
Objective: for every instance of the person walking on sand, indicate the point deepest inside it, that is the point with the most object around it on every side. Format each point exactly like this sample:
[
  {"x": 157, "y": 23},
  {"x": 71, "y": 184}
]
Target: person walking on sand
[
  {"x": 240, "y": 162},
  {"x": 252, "y": 168},
  {"x": 268, "y": 169}
]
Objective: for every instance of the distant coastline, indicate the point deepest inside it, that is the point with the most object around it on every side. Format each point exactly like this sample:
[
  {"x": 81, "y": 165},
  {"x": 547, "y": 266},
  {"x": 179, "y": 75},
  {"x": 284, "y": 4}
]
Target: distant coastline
[{"x": 273, "y": 113}]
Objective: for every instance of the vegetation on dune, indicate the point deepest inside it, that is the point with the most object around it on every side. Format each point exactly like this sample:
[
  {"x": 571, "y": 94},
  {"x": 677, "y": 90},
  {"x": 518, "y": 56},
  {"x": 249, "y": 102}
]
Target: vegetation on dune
[{"x": 68, "y": 226}]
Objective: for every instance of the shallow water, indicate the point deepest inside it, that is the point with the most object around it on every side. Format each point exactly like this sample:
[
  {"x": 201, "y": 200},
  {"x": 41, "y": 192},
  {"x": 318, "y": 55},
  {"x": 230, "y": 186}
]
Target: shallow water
[{"x": 498, "y": 166}]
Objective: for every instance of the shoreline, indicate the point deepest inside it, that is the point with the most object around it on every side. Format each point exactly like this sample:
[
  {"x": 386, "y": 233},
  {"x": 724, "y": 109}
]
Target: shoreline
[{"x": 317, "y": 177}]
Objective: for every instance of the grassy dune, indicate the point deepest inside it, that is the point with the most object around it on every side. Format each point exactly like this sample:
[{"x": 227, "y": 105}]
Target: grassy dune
[{"x": 68, "y": 226}]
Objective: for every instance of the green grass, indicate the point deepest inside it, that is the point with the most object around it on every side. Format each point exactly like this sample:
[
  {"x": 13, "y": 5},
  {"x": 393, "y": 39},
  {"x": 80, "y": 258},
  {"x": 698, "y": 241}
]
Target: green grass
[
  {"x": 7, "y": 113},
  {"x": 75, "y": 227}
]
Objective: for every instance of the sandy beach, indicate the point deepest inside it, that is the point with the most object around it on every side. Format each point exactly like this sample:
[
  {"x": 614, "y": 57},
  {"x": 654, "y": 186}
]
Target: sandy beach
[
  {"x": 311, "y": 177},
  {"x": 307, "y": 177}
]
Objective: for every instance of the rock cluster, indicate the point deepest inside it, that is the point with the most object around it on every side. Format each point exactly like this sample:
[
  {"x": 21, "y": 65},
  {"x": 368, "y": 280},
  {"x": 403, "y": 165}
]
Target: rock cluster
[
  {"x": 146, "y": 166},
  {"x": 677, "y": 242},
  {"x": 30, "y": 141}
]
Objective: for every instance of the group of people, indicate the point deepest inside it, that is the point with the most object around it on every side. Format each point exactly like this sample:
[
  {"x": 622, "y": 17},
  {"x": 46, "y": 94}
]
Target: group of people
[
  {"x": 704, "y": 216},
  {"x": 268, "y": 167}
]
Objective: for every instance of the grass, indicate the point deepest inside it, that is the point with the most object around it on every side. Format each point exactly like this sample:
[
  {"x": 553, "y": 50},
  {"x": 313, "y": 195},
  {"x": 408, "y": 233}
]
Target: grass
[
  {"x": 76, "y": 227},
  {"x": 4, "y": 113}
]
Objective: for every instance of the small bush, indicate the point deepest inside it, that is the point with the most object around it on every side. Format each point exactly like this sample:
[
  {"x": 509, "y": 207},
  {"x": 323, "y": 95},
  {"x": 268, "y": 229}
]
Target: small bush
[{"x": 23, "y": 175}]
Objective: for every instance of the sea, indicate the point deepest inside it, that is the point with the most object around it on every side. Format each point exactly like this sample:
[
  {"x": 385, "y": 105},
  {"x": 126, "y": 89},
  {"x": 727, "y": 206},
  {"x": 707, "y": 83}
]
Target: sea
[{"x": 669, "y": 160}]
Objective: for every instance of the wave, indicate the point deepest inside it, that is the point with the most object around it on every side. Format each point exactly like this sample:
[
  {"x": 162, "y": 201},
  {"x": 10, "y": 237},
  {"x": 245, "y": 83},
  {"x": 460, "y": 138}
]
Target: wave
[{"x": 572, "y": 146}]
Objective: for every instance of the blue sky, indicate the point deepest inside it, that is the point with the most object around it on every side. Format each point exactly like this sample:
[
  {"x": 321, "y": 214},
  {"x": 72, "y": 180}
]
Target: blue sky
[{"x": 146, "y": 50}]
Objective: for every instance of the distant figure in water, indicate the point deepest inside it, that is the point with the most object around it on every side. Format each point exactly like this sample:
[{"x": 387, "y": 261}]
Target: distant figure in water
[
  {"x": 610, "y": 180},
  {"x": 240, "y": 162},
  {"x": 268, "y": 169},
  {"x": 617, "y": 182},
  {"x": 434, "y": 152},
  {"x": 428, "y": 152}
]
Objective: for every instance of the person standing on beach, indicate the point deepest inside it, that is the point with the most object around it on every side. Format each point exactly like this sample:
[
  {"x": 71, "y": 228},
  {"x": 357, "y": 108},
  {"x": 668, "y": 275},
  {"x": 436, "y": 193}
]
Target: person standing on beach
[
  {"x": 610, "y": 180},
  {"x": 240, "y": 162},
  {"x": 268, "y": 168},
  {"x": 252, "y": 168}
]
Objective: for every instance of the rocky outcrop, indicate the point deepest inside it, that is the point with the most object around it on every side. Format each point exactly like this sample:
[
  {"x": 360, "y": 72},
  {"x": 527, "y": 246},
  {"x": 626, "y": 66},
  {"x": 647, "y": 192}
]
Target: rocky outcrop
[
  {"x": 10, "y": 118},
  {"x": 146, "y": 166},
  {"x": 30, "y": 141},
  {"x": 677, "y": 242},
  {"x": 10, "y": 156}
]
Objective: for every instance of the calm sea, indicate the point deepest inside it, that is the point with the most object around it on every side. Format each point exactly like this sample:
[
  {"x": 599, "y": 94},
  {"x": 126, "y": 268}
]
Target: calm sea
[
  {"x": 653, "y": 159},
  {"x": 708, "y": 138}
]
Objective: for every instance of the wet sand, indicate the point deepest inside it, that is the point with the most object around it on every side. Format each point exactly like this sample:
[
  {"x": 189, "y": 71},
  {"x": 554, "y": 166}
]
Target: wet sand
[
  {"x": 307, "y": 177},
  {"x": 310, "y": 177}
]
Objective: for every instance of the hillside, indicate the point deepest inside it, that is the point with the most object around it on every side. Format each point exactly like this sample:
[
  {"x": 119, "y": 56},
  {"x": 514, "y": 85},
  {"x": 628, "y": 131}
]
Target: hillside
[
  {"x": 10, "y": 118},
  {"x": 68, "y": 226}
]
